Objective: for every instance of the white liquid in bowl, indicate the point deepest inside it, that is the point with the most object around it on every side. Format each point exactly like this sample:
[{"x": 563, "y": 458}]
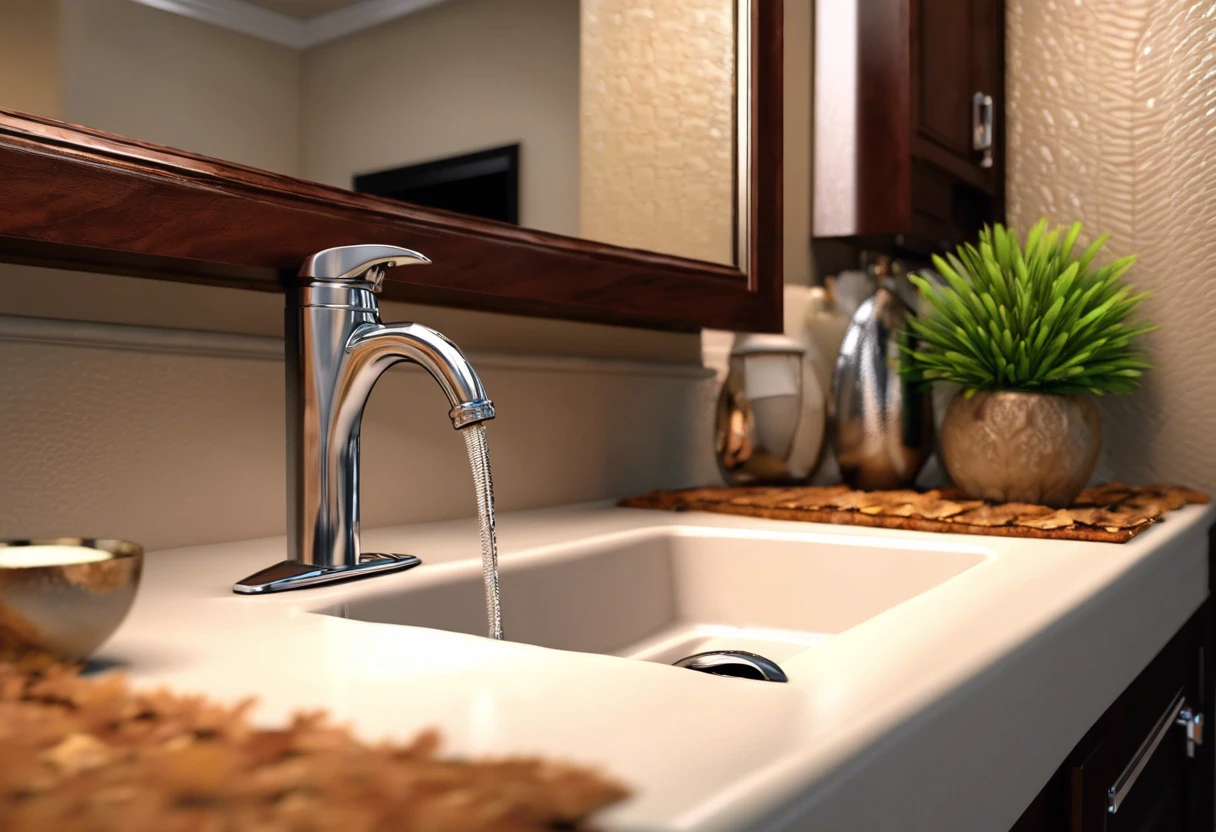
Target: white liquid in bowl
[{"x": 52, "y": 555}]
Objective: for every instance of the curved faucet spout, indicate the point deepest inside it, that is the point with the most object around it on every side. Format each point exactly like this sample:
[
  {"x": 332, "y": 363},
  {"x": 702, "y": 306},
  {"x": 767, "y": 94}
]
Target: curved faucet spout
[
  {"x": 373, "y": 348},
  {"x": 336, "y": 350}
]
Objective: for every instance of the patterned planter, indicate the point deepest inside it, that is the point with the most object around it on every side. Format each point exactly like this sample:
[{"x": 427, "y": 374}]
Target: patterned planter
[{"x": 1021, "y": 447}]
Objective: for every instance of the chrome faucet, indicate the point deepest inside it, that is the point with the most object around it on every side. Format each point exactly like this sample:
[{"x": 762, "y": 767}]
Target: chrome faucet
[{"x": 336, "y": 349}]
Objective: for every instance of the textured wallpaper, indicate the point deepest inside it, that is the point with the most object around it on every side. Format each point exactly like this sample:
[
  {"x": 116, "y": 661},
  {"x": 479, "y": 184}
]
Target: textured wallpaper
[
  {"x": 180, "y": 450},
  {"x": 1112, "y": 121},
  {"x": 657, "y": 126}
]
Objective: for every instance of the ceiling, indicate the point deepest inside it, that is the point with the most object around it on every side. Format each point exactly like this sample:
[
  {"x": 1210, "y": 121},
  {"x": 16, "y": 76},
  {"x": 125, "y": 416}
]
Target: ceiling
[{"x": 302, "y": 9}]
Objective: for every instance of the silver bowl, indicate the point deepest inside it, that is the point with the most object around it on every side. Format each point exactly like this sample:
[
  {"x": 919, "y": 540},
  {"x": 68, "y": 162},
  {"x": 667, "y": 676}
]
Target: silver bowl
[{"x": 66, "y": 595}]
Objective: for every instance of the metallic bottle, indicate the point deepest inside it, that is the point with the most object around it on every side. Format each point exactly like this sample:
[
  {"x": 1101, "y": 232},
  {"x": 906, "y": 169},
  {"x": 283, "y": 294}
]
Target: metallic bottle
[{"x": 883, "y": 431}]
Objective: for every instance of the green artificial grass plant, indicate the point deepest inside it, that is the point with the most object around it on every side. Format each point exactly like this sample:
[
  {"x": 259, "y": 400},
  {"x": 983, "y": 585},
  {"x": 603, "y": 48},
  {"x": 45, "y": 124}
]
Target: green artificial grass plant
[{"x": 1033, "y": 318}]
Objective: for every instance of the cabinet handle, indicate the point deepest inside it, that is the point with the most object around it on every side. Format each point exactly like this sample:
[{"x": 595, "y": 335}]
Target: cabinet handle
[
  {"x": 981, "y": 127},
  {"x": 1193, "y": 723},
  {"x": 1175, "y": 714}
]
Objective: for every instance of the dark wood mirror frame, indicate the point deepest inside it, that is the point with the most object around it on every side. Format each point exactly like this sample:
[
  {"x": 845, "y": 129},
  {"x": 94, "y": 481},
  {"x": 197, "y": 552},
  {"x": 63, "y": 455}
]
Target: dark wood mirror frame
[{"x": 76, "y": 198}]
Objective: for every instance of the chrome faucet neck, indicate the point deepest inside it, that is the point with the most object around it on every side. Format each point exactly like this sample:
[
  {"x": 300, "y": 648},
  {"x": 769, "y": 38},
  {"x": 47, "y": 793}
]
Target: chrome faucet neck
[
  {"x": 352, "y": 296},
  {"x": 336, "y": 349}
]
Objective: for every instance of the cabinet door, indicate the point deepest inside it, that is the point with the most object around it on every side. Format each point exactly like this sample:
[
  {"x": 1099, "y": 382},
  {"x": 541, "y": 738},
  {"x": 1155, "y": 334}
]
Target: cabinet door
[
  {"x": 1151, "y": 790},
  {"x": 946, "y": 66},
  {"x": 957, "y": 54},
  {"x": 1133, "y": 772},
  {"x": 1138, "y": 750}
]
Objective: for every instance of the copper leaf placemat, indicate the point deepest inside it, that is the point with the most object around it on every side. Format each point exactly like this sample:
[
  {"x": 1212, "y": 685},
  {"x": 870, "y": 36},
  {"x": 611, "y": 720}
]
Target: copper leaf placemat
[
  {"x": 1112, "y": 513},
  {"x": 92, "y": 755}
]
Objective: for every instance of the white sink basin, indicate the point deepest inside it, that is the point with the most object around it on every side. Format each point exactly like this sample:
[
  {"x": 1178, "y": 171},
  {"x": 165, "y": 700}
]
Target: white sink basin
[{"x": 663, "y": 594}]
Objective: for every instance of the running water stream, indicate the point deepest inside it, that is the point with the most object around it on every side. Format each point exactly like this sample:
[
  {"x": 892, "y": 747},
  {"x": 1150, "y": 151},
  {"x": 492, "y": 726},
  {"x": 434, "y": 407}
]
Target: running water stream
[{"x": 479, "y": 461}]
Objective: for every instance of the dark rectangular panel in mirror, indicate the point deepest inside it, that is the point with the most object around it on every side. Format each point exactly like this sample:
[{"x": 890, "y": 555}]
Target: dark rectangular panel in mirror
[{"x": 483, "y": 184}]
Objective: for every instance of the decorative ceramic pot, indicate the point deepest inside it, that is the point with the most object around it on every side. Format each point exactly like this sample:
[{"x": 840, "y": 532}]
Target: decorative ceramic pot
[{"x": 1021, "y": 447}]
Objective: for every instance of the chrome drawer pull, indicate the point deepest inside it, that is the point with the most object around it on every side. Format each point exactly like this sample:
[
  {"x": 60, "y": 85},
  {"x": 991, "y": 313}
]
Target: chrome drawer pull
[
  {"x": 1193, "y": 723},
  {"x": 981, "y": 127},
  {"x": 1118, "y": 792}
]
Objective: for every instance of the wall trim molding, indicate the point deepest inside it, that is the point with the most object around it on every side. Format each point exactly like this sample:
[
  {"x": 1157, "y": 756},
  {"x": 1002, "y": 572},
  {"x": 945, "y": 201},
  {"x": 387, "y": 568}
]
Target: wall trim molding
[
  {"x": 164, "y": 341},
  {"x": 342, "y": 22},
  {"x": 286, "y": 30}
]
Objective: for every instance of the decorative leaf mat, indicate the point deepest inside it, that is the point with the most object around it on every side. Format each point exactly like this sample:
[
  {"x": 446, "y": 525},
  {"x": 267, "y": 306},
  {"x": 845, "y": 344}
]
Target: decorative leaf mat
[
  {"x": 92, "y": 755},
  {"x": 1112, "y": 513}
]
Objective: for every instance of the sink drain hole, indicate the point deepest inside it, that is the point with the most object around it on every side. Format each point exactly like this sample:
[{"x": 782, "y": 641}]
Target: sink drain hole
[{"x": 737, "y": 663}]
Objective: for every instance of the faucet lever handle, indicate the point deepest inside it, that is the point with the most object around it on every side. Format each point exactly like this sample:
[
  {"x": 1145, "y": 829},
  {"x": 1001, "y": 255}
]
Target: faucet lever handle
[{"x": 364, "y": 263}]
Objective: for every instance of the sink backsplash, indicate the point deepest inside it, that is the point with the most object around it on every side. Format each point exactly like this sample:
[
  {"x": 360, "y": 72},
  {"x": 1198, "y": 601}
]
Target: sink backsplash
[{"x": 182, "y": 449}]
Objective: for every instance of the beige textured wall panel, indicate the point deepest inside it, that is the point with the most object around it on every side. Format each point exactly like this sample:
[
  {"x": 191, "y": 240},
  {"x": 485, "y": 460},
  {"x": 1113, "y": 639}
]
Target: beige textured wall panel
[
  {"x": 181, "y": 450},
  {"x": 462, "y": 76},
  {"x": 169, "y": 79},
  {"x": 657, "y": 126},
  {"x": 29, "y": 57},
  {"x": 1112, "y": 117}
]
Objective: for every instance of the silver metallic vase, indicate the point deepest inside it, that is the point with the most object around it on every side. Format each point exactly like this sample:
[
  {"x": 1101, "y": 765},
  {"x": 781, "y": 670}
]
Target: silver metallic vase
[{"x": 883, "y": 431}]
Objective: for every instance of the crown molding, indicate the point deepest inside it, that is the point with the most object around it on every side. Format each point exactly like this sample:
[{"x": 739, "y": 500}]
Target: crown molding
[
  {"x": 239, "y": 17},
  {"x": 365, "y": 15},
  {"x": 288, "y": 31}
]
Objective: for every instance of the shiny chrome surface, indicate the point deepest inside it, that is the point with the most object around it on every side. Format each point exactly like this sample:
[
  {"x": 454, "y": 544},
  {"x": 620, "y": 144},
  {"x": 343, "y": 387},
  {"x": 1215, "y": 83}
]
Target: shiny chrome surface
[
  {"x": 737, "y": 663},
  {"x": 336, "y": 350},
  {"x": 364, "y": 263},
  {"x": 1192, "y": 723},
  {"x": 883, "y": 431},
  {"x": 290, "y": 574},
  {"x": 981, "y": 127},
  {"x": 71, "y": 608},
  {"x": 759, "y": 411},
  {"x": 1123, "y": 785}
]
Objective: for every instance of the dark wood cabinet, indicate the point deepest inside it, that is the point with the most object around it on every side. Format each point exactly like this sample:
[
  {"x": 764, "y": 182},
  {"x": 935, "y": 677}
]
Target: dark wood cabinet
[
  {"x": 1135, "y": 769},
  {"x": 909, "y": 120},
  {"x": 957, "y": 57},
  {"x": 1139, "y": 750}
]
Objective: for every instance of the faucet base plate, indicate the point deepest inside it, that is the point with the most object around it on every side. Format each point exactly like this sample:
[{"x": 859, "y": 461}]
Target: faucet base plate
[{"x": 292, "y": 574}]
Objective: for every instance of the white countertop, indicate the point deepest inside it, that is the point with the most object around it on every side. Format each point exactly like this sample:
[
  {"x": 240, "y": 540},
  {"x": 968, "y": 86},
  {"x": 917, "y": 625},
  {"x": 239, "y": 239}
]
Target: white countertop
[{"x": 947, "y": 712}]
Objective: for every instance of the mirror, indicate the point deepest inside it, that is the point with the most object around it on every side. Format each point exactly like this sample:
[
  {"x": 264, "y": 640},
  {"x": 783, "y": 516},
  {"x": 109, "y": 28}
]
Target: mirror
[{"x": 608, "y": 120}]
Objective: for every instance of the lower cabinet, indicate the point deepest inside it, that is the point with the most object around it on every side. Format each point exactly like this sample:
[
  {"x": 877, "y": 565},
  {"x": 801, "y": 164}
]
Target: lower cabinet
[{"x": 1141, "y": 766}]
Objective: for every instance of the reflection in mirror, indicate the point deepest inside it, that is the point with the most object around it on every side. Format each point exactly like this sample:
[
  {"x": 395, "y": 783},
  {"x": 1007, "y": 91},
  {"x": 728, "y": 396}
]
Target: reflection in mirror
[{"x": 611, "y": 120}]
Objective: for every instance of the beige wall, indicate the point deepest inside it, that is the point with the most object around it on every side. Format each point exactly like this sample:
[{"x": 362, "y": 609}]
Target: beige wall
[
  {"x": 462, "y": 76},
  {"x": 164, "y": 78},
  {"x": 174, "y": 450},
  {"x": 29, "y": 57},
  {"x": 657, "y": 126},
  {"x": 1112, "y": 117}
]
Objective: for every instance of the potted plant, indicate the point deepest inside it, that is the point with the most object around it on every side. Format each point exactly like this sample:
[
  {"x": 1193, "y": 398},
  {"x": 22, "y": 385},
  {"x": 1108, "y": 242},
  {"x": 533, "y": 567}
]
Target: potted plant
[{"x": 1026, "y": 332}]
